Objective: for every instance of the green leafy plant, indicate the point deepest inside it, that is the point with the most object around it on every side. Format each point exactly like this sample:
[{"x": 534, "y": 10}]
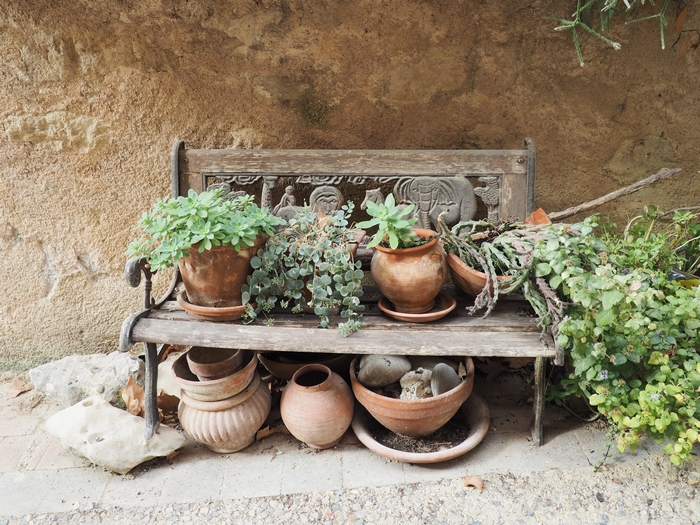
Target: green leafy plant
[
  {"x": 201, "y": 220},
  {"x": 393, "y": 228},
  {"x": 309, "y": 264},
  {"x": 631, "y": 335}
]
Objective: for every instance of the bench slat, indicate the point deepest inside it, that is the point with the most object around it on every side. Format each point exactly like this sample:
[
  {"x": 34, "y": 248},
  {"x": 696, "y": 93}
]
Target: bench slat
[{"x": 366, "y": 341}]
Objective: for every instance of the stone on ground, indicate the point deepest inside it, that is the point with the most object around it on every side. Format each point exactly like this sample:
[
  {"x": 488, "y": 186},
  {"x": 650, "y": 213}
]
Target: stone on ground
[
  {"x": 110, "y": 437},
  {"x": 77, "y": 377}
]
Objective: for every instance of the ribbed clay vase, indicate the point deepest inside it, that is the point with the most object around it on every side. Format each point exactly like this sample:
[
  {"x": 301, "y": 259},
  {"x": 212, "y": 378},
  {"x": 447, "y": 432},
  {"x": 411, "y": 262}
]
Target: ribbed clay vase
[
  {"x": 228, "y": 425},
  {"x": 317, "y": 406},
  {"x": 411, "y": 278},
  {"x": 213, "y": 278}
]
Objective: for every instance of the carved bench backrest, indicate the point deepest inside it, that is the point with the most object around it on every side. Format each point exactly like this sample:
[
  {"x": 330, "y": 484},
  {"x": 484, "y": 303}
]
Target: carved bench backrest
[{"x": 499, "y": 182}]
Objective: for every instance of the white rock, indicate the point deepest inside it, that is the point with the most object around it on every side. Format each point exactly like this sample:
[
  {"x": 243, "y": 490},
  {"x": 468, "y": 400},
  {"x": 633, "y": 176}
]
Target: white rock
[
  {"x": 110, "y": 437},
  {"x": 444, "y": 379},
  {"x": 377, "y": 371},
  {"x": 77, "y": 377},
  {"x": 166, "y": 378},
  {"x": 416, "y": 384}
]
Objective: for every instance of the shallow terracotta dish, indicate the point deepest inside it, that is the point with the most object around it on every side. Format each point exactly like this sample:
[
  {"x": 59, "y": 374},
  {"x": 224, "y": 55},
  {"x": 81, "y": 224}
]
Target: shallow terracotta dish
[
  {"x": 213, "y": 363},
  {"x": 224, "y": 313},
  {"x": 474, "y": 408},
  {"x": 414, "y": 417},
  {"x": 217, "y": 389},
  {"x": 444, "y": 304}
]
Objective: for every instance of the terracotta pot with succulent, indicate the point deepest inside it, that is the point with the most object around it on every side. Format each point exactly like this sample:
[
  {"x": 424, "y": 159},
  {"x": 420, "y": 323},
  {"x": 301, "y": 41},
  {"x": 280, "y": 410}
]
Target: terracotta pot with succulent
[
  {"x": 309, "y": 264},
  {"x": 408, "y": 265},
  {"x": 212, "y": 239}
]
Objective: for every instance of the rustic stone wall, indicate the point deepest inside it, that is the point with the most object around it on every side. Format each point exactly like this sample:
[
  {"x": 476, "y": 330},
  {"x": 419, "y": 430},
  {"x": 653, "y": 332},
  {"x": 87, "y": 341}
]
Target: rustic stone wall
[{"x": 92, "y": 95}]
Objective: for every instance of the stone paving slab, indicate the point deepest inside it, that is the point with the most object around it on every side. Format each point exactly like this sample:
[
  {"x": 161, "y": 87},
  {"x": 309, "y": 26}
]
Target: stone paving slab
[{"x": 38, "y": 476}]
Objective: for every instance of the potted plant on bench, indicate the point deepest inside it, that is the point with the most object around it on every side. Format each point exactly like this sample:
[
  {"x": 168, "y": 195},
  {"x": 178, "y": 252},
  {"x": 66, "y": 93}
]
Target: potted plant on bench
[
  {"x": 309, "y": 265},
  {"x": 211, "y": 238},
  {"x": 408, "y": 265}
]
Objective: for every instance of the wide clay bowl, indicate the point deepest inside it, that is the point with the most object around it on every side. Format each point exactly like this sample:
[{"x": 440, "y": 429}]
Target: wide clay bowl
[
  {"x": 470, "y": 281},
  {"x": 216, "y": 389},
  {"x": 284, "y": 365},
  {"x": 474, "y": 408},
  {"x": 213, "y": 363},
  {"x": 413, "y": 417}
]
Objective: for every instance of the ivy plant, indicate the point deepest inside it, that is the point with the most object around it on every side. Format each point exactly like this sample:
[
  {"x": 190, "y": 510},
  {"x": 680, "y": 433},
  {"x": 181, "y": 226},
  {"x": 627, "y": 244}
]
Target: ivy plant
[{"x": 309, "y": 264}]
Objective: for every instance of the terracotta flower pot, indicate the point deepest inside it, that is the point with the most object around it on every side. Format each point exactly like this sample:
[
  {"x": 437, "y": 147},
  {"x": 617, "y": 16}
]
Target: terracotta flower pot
[
  {"x": 415, "y": 417},
  {"x": 466, "y": 278},
  {"x": 411, "y": 278},
  {"x": 213, "y": 363},
  {"x": 214, "y": 277},
  {"x": 317, "y": 406},
  {"x": 216, "y": 389},
  {"x": 228, "y": 425}
]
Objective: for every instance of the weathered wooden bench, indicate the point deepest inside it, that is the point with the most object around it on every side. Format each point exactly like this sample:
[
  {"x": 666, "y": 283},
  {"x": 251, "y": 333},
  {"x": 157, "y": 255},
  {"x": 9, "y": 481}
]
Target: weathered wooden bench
[{"x": 436, "y": 180}]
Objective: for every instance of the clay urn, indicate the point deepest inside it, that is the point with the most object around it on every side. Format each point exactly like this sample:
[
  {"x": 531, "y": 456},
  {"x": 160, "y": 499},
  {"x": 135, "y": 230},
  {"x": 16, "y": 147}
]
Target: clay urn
[
  {"x": 317, "y": 406},
  {"x": 411, "y": 278},
  {"x": 227, "y": 425}
]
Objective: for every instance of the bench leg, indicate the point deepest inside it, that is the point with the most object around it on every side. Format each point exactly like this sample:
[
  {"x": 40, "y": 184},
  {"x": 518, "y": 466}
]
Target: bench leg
[
  {"x": 151, "y": 387},
  {"x": 537, "y": 427}
]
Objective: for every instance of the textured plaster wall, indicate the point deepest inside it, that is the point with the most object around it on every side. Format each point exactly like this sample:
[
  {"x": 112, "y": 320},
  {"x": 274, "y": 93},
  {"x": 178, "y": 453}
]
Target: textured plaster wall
[{"x": 92, "y": 95}]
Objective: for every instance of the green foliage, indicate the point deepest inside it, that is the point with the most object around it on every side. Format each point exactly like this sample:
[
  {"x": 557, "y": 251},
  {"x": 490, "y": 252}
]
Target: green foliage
[
  {"x": 632, "y": 335},
  {"x": 308, "y": 263},
  {"x": 392, "y": 226},
  {"x": 204, "y": 220},
  {"x": 604, "y": 11}
]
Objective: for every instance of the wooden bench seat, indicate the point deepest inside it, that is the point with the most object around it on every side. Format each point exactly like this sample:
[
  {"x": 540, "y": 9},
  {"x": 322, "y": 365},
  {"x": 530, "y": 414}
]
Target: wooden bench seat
[{"x": 510, "y": 331}]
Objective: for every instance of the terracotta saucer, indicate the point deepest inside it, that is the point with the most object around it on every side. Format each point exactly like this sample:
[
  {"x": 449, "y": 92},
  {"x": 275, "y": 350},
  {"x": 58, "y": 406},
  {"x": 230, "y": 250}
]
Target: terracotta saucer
[
  {"x": 474, "y": 408},
  {"x": 224, "y": 313},
  {"x": 444, "y": 304}
]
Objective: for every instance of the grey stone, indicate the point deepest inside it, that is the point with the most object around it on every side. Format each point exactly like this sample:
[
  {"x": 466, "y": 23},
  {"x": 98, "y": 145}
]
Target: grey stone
[
  {"x": 377, "y": 371},
  {"x": 110, "y": 437},
  {"x": 77, "y": 377},
  {"x": 444, "y": 379}
]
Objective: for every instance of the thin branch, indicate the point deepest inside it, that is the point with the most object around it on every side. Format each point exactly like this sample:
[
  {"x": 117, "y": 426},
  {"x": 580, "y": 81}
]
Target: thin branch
[{"x": 664, "y": 173}]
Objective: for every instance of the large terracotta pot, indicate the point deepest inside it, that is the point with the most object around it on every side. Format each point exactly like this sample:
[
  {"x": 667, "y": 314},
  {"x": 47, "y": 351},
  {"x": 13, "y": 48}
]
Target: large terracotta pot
[
  {"x": 411, "y": 278},
  {"x": 317, "y": 406},
  {"x": 470, "y": 281},
  {"x": 214, "y": 277},
  {"x": 414, "y": 417},
  {"x": 228, "y": 425}
]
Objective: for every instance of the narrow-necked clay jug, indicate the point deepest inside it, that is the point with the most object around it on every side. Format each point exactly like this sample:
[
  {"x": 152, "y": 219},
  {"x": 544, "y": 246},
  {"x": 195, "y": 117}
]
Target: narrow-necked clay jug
[{"x": 317, "y": 406}]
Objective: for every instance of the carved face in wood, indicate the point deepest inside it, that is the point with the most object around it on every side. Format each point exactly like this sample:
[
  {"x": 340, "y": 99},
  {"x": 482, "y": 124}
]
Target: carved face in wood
[{"x": 327, "y": 199}]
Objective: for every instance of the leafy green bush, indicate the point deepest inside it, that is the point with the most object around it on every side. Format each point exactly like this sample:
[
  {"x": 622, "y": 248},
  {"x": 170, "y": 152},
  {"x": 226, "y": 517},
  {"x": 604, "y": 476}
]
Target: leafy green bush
[
  {"x": 392, "y": 227},
  {"x": 203, "y": 220},
  {"x": 631, "y": 334}
]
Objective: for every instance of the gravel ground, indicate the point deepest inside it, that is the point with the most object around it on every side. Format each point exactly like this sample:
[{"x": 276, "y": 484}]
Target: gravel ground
[{"x": 653, "y": 491}]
